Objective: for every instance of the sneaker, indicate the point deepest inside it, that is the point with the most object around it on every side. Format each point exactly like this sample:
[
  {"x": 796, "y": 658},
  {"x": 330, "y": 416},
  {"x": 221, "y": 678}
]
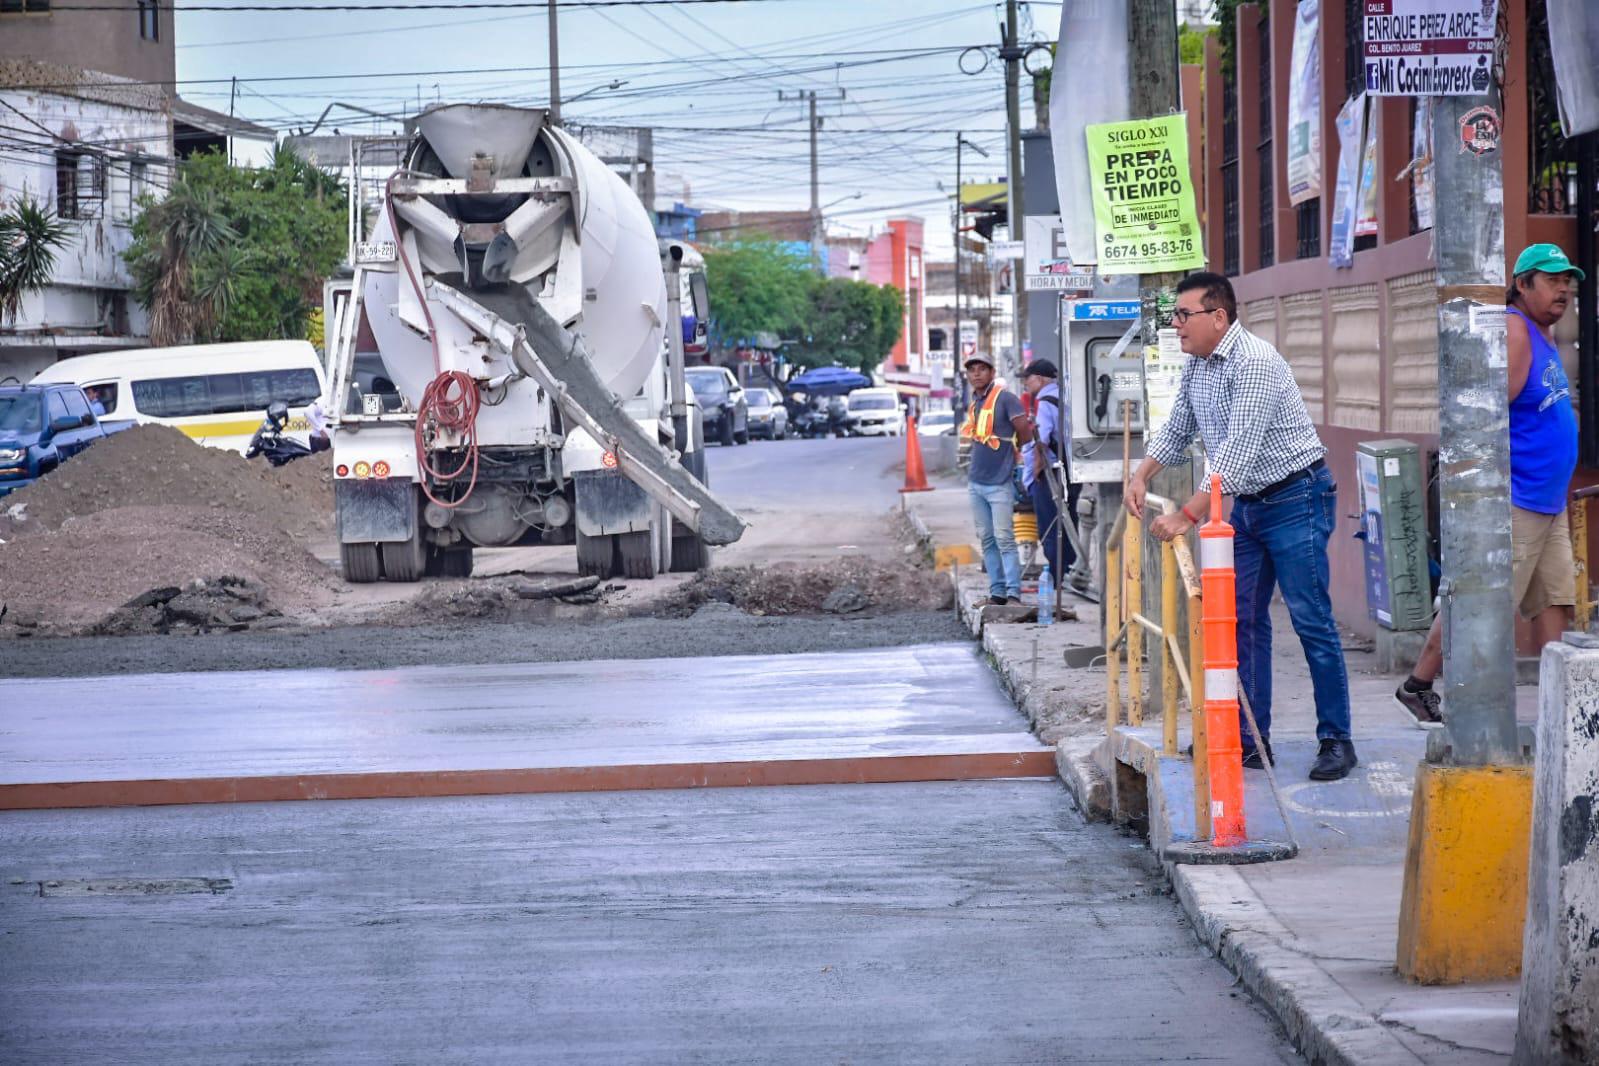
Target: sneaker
[
  {"x": 1253, "y": 761},
  {"x": 1421, "y": 704},
  {"x": 1334, "y": 761}
]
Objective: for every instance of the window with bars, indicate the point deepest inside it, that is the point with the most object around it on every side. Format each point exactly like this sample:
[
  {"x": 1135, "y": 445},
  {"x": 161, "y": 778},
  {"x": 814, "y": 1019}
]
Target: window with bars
[
  {"x": 1307, "y": 228},
  {"x": 1229, "y": 174},
  {"x": 24, "y": 7},
  {"x": 1354, "y": 48},
  {"x": 80, "y": 184},
  {"x": 1552, "y": 189},
  {"x": 1264, "y": 159}
]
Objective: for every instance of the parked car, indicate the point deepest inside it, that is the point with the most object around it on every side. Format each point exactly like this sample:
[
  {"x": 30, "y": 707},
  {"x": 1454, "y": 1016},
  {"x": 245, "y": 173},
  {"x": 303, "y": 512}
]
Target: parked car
[
  {"x": 41, "y": 427},
  {"x": 768, "y": 417},
  {"x": 722, "y": 403},
  {"x": 875, "y": 411},
  {"x": 936, "y": 424}
]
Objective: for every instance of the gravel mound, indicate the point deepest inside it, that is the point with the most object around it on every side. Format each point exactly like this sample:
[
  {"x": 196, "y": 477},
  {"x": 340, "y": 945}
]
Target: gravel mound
[
  {"x": 852, "y": 585},
  {"x": 156, "y": 466}
]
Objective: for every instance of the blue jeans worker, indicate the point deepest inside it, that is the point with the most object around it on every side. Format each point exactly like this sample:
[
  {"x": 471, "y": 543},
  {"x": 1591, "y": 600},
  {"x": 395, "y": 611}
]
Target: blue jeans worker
[
  {"x": 1039, "y": 378},
  {"x": 1543, "y": 456},
  {"x": 995, "y": 424},
  {"x": 1239, "y": 395}
]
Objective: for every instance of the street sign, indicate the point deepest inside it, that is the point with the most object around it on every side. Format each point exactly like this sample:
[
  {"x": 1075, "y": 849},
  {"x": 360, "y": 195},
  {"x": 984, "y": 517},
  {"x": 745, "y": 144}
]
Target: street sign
[
  {"x": 1429, "y": 47},
  {"x": 999, "y": 250}
]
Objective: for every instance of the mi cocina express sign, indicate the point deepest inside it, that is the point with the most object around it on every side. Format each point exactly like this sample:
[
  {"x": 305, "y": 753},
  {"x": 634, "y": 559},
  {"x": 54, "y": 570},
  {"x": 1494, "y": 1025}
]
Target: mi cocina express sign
[{"x": 1428, "y": 47}]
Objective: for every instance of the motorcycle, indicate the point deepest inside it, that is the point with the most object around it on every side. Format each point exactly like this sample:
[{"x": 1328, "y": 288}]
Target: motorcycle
[{"x": 270, "y": 441}]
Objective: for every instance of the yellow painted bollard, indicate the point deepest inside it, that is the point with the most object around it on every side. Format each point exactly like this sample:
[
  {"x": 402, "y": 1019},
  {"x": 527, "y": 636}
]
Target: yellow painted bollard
[
  {"x": 1132, "y": 603},
  {"x": 1196, "y": 716},
  {"x": 1168, "y": 631}
]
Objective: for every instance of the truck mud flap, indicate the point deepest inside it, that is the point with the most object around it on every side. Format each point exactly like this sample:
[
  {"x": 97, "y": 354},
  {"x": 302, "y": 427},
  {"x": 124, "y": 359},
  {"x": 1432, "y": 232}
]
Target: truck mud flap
[
  {"x": 609, "y": 503},
  {"x": 375, "y": 510}
]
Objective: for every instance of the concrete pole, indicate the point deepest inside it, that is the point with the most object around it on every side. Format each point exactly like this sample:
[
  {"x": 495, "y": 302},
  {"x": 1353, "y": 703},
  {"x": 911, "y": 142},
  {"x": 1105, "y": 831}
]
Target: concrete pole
[
  {"x": 1016, "y": 208},
  {"x": 1479, "y": 693},
  {"x": 958, "y": 381},
  {"x": 816, "y": 193},
  {"x": 555, "y": 68},
  {"x": 1471, "y": 809}
]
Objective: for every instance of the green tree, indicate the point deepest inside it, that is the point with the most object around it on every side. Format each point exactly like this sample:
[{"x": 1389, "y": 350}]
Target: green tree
[
  {"x": 756, "y": 286},
  {"x": 30, "y": 236},
  {"x": 851, "y": 323},
  {"x": 1191, "y": 44},
  {"x": 235, "y": 253}
]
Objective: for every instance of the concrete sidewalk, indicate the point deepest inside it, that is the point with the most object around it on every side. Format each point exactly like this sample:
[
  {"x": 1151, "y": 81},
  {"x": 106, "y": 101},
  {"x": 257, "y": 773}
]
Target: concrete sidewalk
[{"x": 1315, "y": 938}]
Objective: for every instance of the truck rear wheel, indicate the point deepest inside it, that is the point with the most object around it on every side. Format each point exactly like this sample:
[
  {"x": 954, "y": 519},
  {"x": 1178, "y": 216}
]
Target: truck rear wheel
[
  {"x": 638, "y": 554},
  {"x": 405, "y": 560},
  {"x": 360, "y": 563},
  {"x": 595, "y": 555},
  {"x": 688, "y": 553}
]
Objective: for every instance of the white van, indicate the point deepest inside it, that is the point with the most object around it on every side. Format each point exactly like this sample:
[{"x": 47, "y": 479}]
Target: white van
[
  {"x": 216, "y": 394},
  {"x": 875, "y": 410}
]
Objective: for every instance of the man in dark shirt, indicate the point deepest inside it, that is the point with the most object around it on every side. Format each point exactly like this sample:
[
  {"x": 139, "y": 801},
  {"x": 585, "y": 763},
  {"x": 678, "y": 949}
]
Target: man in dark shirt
[{"x": 995, "y": 424}]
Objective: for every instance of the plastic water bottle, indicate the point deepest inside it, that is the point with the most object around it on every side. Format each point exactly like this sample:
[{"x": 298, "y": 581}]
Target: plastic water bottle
[{"x": 1046, "y": 598}]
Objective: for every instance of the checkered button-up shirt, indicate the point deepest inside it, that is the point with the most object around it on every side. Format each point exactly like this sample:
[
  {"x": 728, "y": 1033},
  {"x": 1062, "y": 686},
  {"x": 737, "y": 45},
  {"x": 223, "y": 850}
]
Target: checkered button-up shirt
[{"x": 1244, "y": 403}]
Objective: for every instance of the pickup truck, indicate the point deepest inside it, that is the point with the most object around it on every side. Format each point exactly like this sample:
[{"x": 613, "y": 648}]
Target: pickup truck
[{"x": 41, "y": 426}]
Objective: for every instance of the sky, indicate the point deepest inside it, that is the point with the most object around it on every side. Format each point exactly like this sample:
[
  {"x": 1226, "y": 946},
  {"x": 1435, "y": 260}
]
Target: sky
[{"x": 706, "y": 76}]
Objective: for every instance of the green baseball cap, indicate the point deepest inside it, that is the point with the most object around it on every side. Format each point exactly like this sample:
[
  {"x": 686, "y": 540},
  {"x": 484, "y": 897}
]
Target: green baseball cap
[{"x": 1547, "y": 258}]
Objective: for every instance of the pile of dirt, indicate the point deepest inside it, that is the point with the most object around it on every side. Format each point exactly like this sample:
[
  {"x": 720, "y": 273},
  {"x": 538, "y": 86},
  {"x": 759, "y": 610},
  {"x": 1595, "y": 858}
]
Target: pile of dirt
[
  {"x": 157, "y": 466},
  {"x": 854, "y": 584},
  {"x": 71, "y": 578}
]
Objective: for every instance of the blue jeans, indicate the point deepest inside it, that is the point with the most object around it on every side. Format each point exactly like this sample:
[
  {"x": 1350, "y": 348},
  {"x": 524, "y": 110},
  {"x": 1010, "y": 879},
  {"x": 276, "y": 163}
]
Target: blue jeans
[
  {"x": 1282, "y": 540},
  {"x": 993, "y": 511},
  {"x": 1052, "y": 538}
]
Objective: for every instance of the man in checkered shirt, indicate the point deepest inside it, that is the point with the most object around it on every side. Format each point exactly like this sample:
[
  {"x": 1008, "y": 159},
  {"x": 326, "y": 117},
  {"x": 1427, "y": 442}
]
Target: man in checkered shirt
[{"x": 1239, "y": 395}]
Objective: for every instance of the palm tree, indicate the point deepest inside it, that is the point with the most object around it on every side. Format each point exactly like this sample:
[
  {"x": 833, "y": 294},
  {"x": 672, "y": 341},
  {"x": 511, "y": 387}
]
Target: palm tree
[
  {"x": 186, "y": 227},
  {"x": 30, "y": 235}
]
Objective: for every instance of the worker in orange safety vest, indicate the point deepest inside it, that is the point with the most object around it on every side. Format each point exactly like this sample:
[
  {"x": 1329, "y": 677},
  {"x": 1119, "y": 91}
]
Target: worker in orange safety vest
[{"x": 995, "y": 424}]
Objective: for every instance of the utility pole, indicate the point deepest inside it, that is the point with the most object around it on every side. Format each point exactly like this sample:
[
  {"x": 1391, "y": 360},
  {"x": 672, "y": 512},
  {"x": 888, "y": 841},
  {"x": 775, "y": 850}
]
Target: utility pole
[
  {"x": 555, "y": 68},
  {"x": 1152, "y": 27},
  {"x": 1015, "y": 208},
  {"x": 1474, "y": 773},
  {"x": 960, "y": 376},
  {"x": 818, "y": 236}
]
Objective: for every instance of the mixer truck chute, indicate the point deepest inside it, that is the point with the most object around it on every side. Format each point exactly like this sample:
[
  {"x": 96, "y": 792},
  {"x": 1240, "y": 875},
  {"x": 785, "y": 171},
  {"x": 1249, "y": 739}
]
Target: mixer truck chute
[{"x": 512, "y": 289}]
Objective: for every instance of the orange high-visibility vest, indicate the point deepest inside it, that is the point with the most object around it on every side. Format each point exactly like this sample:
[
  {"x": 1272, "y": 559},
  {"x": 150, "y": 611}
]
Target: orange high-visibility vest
[{"x": 979, "y": 424}]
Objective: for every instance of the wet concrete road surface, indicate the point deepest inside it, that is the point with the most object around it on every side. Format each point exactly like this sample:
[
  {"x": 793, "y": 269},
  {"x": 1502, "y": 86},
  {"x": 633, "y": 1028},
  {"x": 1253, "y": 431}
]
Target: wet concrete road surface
[
  {"x": 916, "y": 713},
  {"x": 921, "y": 923}
]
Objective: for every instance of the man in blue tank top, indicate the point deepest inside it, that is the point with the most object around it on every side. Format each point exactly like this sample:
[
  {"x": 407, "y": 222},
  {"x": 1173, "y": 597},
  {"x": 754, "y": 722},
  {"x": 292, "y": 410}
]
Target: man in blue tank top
[{"x": 1543, "y": 456}]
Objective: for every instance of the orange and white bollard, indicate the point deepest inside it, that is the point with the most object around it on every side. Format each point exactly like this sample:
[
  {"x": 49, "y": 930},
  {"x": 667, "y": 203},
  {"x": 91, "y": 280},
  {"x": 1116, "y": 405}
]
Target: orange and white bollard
[{"x": 1219, "y": 583}]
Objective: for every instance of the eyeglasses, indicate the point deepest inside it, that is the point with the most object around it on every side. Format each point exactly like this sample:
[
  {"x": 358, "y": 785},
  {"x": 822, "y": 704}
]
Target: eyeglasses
[{"x": 1183, "y": 314}]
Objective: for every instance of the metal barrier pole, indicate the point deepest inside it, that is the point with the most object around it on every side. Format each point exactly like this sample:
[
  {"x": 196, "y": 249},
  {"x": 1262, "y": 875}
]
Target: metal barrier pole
[
  {"x": 1113, "y": 626},
  {"x": 1582, "y": 613},
  {"x": 1168, "y": 661},
  {"x": 1132, "y": 603},
  {"x": 1221, "y": 676}
]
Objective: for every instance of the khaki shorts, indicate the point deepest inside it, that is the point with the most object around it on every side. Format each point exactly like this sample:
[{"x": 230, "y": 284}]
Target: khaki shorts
[{"x": 1543, "y": 573}]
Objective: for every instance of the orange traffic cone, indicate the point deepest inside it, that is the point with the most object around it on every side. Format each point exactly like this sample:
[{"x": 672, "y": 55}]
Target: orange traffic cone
[
  {"x": 1220, "y": 620},
  {"x": 915, "y": 473}
]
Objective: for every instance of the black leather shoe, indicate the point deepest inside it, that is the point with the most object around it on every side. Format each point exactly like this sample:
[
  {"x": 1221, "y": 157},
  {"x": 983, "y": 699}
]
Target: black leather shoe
[
  {"x": 1252, "y": 759},
  {"x": 1334, "y": 761}
]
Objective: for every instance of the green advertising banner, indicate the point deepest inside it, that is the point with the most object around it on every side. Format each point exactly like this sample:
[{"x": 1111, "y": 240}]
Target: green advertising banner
[{"x": 1145, "y": 219}]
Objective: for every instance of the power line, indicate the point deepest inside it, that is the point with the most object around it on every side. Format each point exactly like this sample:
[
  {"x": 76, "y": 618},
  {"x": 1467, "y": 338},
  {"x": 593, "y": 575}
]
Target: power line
[{"x": 422, "y": 5}]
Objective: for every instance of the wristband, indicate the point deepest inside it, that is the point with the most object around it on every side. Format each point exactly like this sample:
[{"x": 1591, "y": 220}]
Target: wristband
[{"x": 1192, "y": 520}]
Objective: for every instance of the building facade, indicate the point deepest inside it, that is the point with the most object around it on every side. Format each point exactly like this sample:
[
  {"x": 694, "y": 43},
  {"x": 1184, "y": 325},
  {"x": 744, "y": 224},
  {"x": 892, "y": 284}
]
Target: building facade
[
  {"x": 86, "y": 130},
  {"x": 1362, "y": 340}
]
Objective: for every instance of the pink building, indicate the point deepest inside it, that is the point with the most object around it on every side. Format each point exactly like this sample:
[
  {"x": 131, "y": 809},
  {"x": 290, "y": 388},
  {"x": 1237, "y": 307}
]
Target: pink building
[{"x": 895, "y": 258}]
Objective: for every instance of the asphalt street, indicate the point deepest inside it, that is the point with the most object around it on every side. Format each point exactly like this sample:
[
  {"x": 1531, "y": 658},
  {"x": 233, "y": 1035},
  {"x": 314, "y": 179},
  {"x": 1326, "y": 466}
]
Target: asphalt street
[{"x": 924, "y": 923}]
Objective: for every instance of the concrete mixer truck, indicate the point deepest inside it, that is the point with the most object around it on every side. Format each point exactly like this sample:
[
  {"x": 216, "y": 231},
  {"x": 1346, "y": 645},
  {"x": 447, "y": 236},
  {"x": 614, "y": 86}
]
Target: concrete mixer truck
[{"x": 499, "y": 371}]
